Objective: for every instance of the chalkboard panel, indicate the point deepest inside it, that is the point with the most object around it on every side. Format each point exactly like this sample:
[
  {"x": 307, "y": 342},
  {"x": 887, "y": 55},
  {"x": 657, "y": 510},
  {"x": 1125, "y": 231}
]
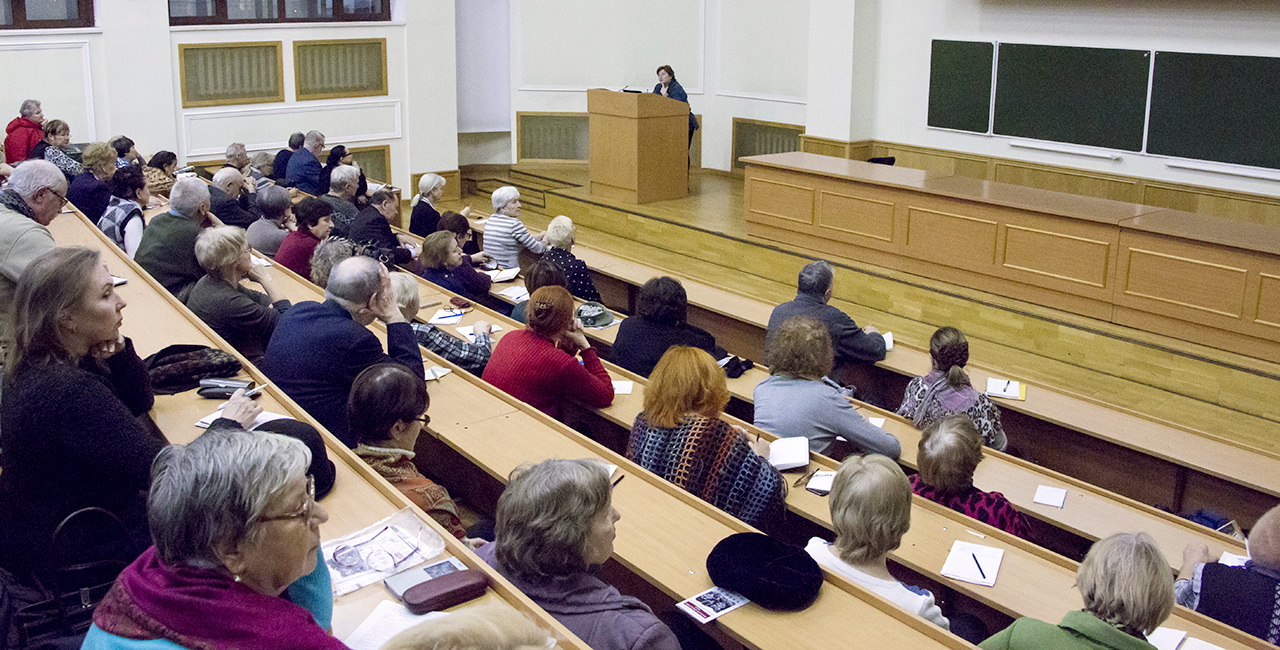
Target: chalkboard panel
[
  {"x": 960, "y": 85},
  {"x": 1216, "y": 107},
  {"x": 1081, "y": 95}
]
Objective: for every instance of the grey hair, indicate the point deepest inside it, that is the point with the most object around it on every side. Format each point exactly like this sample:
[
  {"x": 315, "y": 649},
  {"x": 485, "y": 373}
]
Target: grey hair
[
  {"x": 296, "y": 140},
  {"x": 234, "y": 148},
  {"x": 206, "y": 495},
  {"x": 353, "y": 281},
  {"x": 343, "y": 175},
  {"x": 274, "y": 201},
  {"x": 327, "y": 255},
  {"x": 495, "y": 626},
  {"x": 224, "y": 178},
  {"x": 219, "y": 248},
  {"x": 815, "y": 278},
  {"x": 29, "y": 107},
  {"x": 502, "y": 196},
  {"x": 560, "y": 232},
  {"x": 545, "y": 516},
  {"x": 34, "y": 175},
  {"x": 187, "y": 195},
  {"x": 261, "y": 158},
  {"x": 426, "y": 185},
  {"x": 1125, "y": 580},
  {"x": 313, "y": 139},
  {"x": 870, "y": 507},
  {"x": 405, "y": 286}
]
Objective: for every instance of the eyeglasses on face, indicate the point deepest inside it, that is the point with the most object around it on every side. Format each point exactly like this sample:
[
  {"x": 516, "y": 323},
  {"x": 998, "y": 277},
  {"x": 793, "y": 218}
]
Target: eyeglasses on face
[{"x": 304, "y": 513}]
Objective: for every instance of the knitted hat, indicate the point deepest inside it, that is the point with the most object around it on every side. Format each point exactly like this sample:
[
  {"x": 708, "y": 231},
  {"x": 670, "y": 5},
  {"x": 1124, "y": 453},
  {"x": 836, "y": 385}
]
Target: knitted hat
[
  {"x": 594, "y": 314},
  {"x": 772, "y": 574}
]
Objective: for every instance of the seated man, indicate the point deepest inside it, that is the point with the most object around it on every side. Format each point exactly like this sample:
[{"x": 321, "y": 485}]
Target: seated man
[
  {"x": 1244, "y": 597},
  {"x": 281, "y": 164},
  {"x": 30, "y": 202},
  {"x": 233, "y": 198},
  {"x": 237, "y": 156},
  {"x": 317, "y": 349},
  {"x": 304, "y": 167},
  {"x": 344, "y": 182},
  {"x": 168, "y": 247},
  {"x": 372, "y": 227}
]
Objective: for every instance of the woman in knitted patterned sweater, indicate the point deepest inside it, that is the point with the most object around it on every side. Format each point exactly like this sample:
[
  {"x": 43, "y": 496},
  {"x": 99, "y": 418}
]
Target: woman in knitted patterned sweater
[
  {"x": 680, "y": 437},
  {"x": 946, "y": 390}
]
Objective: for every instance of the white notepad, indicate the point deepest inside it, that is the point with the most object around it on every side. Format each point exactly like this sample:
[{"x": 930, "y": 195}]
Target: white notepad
[
  {"x": 821, "y": 481},
  {"x": 1005, "y": 388},
  {"x": 516, "y": 293},
  {"x": 623, "y": 387},
  {"x": 1166, "y": 638},
  {"x": 789, "y": 453},
  {"x": 387, "y": 620},
  {"x": 879, "y": 422},
  {"x": 446, "y": 317},
  {"x": 1051, "y": 496},
  {"x": 469, "y": 331},
  {"x": 974, "y": 563},
  {"x": 1231, "y": 559},
  {"x": 435, "y": 372},
  {"x": 888, "y": 340},
  {"x": 263, "y": 418},
  {"x": 503, "y": 275}
]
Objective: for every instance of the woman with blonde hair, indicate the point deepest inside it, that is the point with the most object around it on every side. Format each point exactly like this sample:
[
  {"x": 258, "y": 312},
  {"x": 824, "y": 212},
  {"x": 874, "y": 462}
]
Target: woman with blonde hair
[
  {"x": 946, "y": 390},
  {"x": 89, "y": 190},
  {"x": 425, "y": 217},
  {"x": 680, "y": 437},
  {"x": 244, "y": 317},
  {"x": 493, "y": 627}
]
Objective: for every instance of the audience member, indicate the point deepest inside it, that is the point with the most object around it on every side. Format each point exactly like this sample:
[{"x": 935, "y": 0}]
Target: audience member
[
  {"x": 560, "y": 236},
  {"x": 89, "y": 191},
  {"x": 658, "y": 324},
  {"x": 123, "y": 221},
  {"x": 505, "y": 234},
  {"x": 159, "y": 171},
  {"x": 493, "y": 627},
  {"x": 33, "y": 198},
  {"x": 797, "y": 399},
  {"x": 303, "y": 171},
  {"x": 236, "y": 524},
  {"x": 53, "y": 148},
  {"x": 1127, "y": 590},
  {"x": 425, "y": 217},
  {"x": 315, "y": 222},
  {"x": 24, "y": 131},
  {"x": 244, "y": 317},
  {"x": 260, "y": 168},
  {"x": 555, "y": 525},
  {"x": 318, "y": 348},
  {"x": 1244, "y": 597},
  {"x": 386, "y": 412},
  {"x": 237, "y": 157},
  {"x": 870, "y": 511},
  {"x": 126, "y": 153},
  {"x": 680, "y": 437},
  {"x": 327, "y": 255},
  {"x": 443, "y": 264},
  {"x": 372, "y": 227},
  {"x": 457, "y": 224},
  {"x": 168, "y": 247},
  {"x": 538, "y": 366},
  {"x": 267, "y": 233},
  {"x": 340, "y": 157},
  {"x": 280, "y": 168},
  {"x": 232, "y": 198},
  {"x": 542, "y": 273},
  {"x": 342, "y": 190},
  {"x": 469, "y": 356},
  {"x": 950, "y": 450},
  {"x": 946, "y": 390}
]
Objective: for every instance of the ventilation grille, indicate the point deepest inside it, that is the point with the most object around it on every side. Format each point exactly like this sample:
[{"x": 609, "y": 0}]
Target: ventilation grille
[
  {"x": 216, "y": 74},
  {"x": 546, "y": 136}
]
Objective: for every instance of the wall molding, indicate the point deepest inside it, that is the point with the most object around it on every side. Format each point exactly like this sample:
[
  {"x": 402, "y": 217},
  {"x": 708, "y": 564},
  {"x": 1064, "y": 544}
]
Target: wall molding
[
  {"x": 85, "y": 59},
  {"x": 190, "y": 117},
  {"x": 785, "y": 99}
]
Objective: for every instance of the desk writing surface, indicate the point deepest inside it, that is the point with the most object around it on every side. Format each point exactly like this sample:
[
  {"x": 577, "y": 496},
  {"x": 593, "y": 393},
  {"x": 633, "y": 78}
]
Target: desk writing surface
[
  {"x": 1197, "y": 227},
  {"x": 844, "y": 169},
  {"x": 1035, "y": 200}
]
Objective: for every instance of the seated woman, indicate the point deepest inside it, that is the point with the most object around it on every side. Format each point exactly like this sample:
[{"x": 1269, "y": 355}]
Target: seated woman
[
  {"x": 267, "y": 233},
  {"x": 505, "y": 234},
  {"x": 871, "y": 510},
  {"x": 425, "y": 218},
  {"x": 658, "y": 324},
  {"x": 327, "y": 255},
  {"x": 387, "y": 411},
  {"x": 542, "y": 273},
  {"x": 539, "y": 365},
  {"x": 123, "y": 221},
  {"x": 946, "y": 390},
  {"x": 260, "y": 168},
  {"x": 372, "y": 227},
  {"x": 53, "y": 148},
  {"x": 798, "y": 400},
  {"x": 1244, "y": 597},
  {"x": 471, "y": 357},
  {"x": 457, "y": 224},
  {"x": 443, "y": 264},
  {"x": 560, "y": 236},
  {"x": 340, "y": 157},
  {"x": 236, "y": 524},
  {"x": 159, "y": 172},
  {"x": 89, "y": 191},
  {"x": 555, "y": 524},
  {"x": 949, "y": 452},
  {"x": 1127, "y": 591},
  {"x": 315, "y": 222},
  {"x": 244, "y": 317},
  {"x": 680, "y": 437}
]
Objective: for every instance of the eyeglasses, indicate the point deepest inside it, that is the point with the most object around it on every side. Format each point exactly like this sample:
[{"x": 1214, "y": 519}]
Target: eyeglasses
[
  {"x": 424, "y": 419},
  {"x": 63, "y": 200},
  {"x": 385, "y": 551},
  {"x": 303, "y": 513}
]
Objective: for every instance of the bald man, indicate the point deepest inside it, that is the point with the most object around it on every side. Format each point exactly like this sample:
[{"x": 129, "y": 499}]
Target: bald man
[{"x": 1244, "y": 597}]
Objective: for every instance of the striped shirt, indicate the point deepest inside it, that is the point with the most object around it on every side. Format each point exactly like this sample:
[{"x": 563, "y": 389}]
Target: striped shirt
[{"x": 503, "y": 238}]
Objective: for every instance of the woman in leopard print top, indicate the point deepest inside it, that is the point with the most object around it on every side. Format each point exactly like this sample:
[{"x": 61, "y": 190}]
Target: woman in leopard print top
[{"x": 946, "y": 390}]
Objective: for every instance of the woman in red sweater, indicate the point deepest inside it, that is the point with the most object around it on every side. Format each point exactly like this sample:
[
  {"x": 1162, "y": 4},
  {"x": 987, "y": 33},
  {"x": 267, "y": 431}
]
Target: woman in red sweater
[{"x": 538, "y": 365}]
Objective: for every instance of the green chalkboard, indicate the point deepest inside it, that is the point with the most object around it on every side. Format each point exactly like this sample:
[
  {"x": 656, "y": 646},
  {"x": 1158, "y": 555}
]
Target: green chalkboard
[
  {"x": 1081, "y": 95},
  {"x": 1216, "y": 107},
  {"x": 960, "y": 85}
]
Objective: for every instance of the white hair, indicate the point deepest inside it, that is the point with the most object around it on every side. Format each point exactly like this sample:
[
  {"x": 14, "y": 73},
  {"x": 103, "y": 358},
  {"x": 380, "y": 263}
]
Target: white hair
[
  {"x": 560, "y": 232},
  {"x": 29, "y": 107},
  {"x": 502, "y": 196},
  {"x": 226, "y": 177},
  {"x": 34, "y": 175},
  {"x": 313, "y": 139},
  {"x": 353, "y": 281},
  {"x": 219, "y": 248},
  {"x": 342, "y": 175},
  {"x": 187, "y": 195},
  {"x": 234, "y": 148},
  {"x": 426, "y": 185}
]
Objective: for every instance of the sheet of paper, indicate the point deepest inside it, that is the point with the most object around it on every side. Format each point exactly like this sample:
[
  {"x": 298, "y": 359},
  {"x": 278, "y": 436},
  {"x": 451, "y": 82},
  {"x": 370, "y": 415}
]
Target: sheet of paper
[
  {"x": 516, "y": 293},
  {"x": 263, "y": 418},
  {"x": 1051, "y": 496},
  {"x": 260, "y": 261},
  {"x": 117, "y": 281},
  {"x": 974, "y": 563},
  {"x": 879, "y": 422},
  {"x": 789, "y": 453},
  {"x": 1231, "y": 559},
  {"x": 469, "y": 331},
  {"x": 623, "y": 387},
  {"x": 711, "y": 604},
  {"x": 1005, "y": 388},
  {"x": 888, "y": 340},
  {"x": 1192, "y": 643},
  {"x": 387, "y": 620},
  {"x": 502, "y": 275},
  {"x": 1166, "y": 638},
  {"x": 436, "y": 372},
  {"x": 446, "y": 317},
  {"x": 611, "y": 324},
  {"x": 821, "y": 481},
  {"x": 382, "y": 550}
]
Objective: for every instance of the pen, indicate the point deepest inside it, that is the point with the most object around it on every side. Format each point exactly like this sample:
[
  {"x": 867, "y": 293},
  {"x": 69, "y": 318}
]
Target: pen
[
  {"x": 618, "y": 480},
  {"x": 980, "y": 571},
  {"x": 1006, "y": 384}
]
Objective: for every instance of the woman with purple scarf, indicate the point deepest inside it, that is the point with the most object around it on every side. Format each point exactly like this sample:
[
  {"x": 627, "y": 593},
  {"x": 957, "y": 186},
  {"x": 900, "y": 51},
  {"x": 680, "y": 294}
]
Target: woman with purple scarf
[
  {"x": 946, "y": 391},
  {"x": 235, "y": 524}
]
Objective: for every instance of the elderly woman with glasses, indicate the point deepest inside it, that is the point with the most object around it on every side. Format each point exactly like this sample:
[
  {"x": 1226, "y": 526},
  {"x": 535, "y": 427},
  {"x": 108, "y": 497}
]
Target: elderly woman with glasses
[{"x": 235, "y": 524}]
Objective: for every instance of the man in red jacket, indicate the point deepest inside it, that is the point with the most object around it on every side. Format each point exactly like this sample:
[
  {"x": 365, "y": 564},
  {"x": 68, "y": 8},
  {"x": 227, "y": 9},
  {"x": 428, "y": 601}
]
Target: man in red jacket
[{"x": 24, "y": 132}]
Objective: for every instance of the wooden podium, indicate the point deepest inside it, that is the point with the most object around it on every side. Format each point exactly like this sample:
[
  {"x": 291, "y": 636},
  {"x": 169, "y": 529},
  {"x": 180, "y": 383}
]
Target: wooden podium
[{"x": 639, "y": 146}]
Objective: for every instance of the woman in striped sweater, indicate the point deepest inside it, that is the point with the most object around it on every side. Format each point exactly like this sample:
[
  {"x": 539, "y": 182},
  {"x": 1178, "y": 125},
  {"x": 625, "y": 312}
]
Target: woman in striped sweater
[{"x": 505, "y": 234}]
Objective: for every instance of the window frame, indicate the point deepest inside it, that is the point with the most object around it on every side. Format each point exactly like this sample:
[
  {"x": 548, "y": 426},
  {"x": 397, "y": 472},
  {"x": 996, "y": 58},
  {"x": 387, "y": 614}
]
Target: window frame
[
  {"x": 339, "y": 16},
  {"x": 18, "y": 12}
]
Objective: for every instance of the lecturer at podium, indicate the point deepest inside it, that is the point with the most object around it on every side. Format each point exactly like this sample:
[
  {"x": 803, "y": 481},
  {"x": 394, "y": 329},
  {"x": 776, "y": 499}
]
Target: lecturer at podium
[{"x": 667, "y": 86}]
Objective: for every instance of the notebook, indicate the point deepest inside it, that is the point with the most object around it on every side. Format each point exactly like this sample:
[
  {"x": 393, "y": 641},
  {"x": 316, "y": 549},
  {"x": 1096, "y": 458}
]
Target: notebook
[{"x": 789, "y": 453}]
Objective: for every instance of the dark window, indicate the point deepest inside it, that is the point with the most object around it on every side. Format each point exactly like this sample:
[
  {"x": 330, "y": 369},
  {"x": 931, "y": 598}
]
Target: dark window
[
  {"x": 45, "y": 14},
  {"x": 219, "y": 12}
]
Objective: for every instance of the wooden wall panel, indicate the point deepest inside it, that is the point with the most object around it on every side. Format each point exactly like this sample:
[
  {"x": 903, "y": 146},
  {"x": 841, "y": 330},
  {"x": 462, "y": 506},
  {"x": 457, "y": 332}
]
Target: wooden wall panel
[
  {"x": 1059, "y": 256},
  {"x": 934, "y": 160},
  {"x": 861, "y": 217},
  {"x": 1218, "y": 203},
  {"x": 779, "y": 200},
  {"x": 1194, "y": 283},
  {"x": 824, "y": 146},
  {"x": 963, "y": 241},
  {"x": 1267, "y": 307},
  {"x": 1058, "y": 180}
]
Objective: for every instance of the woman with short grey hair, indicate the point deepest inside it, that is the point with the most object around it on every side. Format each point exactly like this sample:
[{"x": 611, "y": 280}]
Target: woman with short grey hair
[
  {"x": 505, "y": 234},
  {"x": 244, "y": 317},
  {"x": 556, "y": 521},
  {"x": 267, "y": 232},
  {"x": 235, "y": 523},
  {"x": 560, "y": 236}
]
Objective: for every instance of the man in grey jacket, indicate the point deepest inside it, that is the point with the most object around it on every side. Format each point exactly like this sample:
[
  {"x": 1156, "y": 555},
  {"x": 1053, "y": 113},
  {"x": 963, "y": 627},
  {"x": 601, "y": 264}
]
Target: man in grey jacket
[{"x": 36, "y": 193}]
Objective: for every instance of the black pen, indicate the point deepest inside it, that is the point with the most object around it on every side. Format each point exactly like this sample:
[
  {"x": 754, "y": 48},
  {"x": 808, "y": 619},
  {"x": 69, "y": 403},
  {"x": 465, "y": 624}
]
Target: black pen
[
  {"x": 980, "y": 571},
  {"x": 618, "y": 480}
]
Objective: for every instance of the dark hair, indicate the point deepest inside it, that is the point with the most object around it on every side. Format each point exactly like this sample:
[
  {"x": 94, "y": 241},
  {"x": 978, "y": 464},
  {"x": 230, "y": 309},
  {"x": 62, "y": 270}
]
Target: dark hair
[
  {"x": 162, "y": 159},
  {"x": 670, "y": 72},
  {"x": 950, "y": 351},
  {"x": 454, "y": 223},
  {"x": 122, "y": 145},
  {"x": 126, "y": 182},
  {"x": 336, "y": 155},
  {"x": 382, "y": 395},
  {"x": 544, "y": 273},
  {"x": 550, "y": 311},
  {"x": 296, "y": 140},
  {"x": 310, "y": 211},
  {"x": 815, "y": 279},
  {"x": 382, "y": 196},
  {"x": 662, "y": 300}
]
